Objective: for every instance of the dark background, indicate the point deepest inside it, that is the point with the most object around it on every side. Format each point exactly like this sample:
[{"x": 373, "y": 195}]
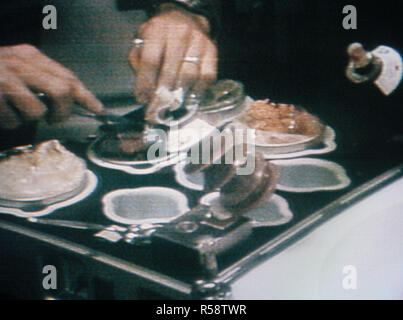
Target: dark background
[
  {"x": 295, "y": 51},
  {"x": 290, "y": 51}
]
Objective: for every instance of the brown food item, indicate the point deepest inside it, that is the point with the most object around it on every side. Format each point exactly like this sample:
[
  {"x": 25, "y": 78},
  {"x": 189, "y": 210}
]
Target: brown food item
[
  {"x": 125, "y": 146},
  {"x": 282, "y": 118}
]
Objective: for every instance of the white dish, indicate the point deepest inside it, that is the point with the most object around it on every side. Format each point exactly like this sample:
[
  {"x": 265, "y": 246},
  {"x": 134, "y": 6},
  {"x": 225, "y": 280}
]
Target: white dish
[
  {"x": 273, "y": 211},
  {"x": 310, "y": 175},
  {"x": 135, "y": 168},
  {"x": 43, "y": 210},
  {"x": 144, "y": 205},
  {"x": 302, "y": 146},
  {"x": 40, "y": 174}
]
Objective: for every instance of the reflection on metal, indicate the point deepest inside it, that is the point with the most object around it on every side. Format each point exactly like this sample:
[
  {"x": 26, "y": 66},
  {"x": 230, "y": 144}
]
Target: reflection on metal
[
  {"x": 363, "y": 65},
  {"x": 383, "y": 66},
  {"x": 143, "y": 275},
  {"x": 208, "y": 290},
  {"x": 295, "y": 233}
]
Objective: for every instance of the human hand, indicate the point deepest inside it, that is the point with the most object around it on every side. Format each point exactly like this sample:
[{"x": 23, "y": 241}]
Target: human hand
[
  {"x": 24, "y": 70},
  {"x": 170, "y": 37}
]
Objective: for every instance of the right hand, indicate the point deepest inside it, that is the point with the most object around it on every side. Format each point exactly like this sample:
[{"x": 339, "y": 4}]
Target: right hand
[
  {"x": 169, "y": 37},
  {"x": 24, "y": 70}
]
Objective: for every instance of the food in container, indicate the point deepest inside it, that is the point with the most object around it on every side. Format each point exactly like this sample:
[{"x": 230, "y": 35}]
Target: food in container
[
  {"x": 222, "y": 102},
  {"x": 47, "y": 172},
  {"x": 284, "y": 130},
  {"x": 129, "y": 145},
  {"x": 283, "y": 119}
]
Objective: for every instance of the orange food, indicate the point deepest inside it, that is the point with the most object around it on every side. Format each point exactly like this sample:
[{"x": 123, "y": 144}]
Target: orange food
[{"x": 282, "y": 118}]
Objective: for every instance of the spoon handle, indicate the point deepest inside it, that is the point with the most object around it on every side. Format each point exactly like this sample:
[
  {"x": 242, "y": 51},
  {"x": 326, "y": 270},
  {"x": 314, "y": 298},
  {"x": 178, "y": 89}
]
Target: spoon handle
[{"x": 68, "y": 223}]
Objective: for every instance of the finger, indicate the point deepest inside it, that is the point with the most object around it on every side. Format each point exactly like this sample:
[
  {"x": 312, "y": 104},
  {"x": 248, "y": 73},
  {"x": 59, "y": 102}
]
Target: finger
[
  {"x": 58, "y": 90},
  {"x": 61, "y": 108},
  {"x": 152, "y": 110},
  {"x": 16, "y": 93},
  {"x": 208, "y": 68},
  {"x": 85, "y": 97},
  {"x": 175, "y": 50},
  {"x": 134, "y": 58},
  {"x": 8, "y": 118},
  {"x": 62, "y": 91},
  {"x": 150, "y": 60},
  {"x": 32, "y": 56},
  {"x": 189, "y": 72},
  {"x": 49, "y": 76}
]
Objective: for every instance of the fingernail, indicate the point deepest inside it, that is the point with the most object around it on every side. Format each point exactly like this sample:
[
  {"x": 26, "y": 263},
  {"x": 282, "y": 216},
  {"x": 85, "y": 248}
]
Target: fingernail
[{"x": 99, "y": 108}]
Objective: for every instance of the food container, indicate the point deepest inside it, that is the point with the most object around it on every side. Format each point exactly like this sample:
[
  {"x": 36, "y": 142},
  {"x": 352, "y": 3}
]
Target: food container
[
  {"x": 144, "y": 205},
  {"x": 222, "y": 102},
  {"x": 42, "y": 195},
  {"x": 277, "y": 144}
]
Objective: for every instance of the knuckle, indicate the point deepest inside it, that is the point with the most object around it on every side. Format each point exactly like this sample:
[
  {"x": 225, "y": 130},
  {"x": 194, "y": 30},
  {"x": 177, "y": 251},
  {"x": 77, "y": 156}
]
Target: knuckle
[
  {"x": 132, "y": 55},
  {"x": 198, "y": 35},
  {"x": 155, "y": 22},
  {"x": 60, "y": 89},
  {"x": 149, "y": 27},
  {"x": 6, "y": 76},
  {"x": 25, "y": 49},
  {"x": 36, "y": 112},
  {"x": 150, "y": 62},
  {"x": 213, "y": 49},
  {"x": 208, "y": 75},
  {"x": 142, "y": 29},
  {"x": 180, "y": 30},
  {"x": 70, "y": 75},
  {"x": 14, "y": 65},
  {"x": 4, "y": 80}
]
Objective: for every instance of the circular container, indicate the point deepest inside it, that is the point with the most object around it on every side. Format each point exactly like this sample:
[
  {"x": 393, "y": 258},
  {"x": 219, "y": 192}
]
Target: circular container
[
  {"x": 32, "y": 203},
  {"x": 288, "y": 145},
  {"x": 144, "y": 205},
  {"x": 222, "y": 102},
  {"x": 139, "y": 167}
]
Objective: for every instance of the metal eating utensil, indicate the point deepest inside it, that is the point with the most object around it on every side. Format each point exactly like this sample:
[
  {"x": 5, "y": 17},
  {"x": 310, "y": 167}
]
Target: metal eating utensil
[
  {"x": 131, "y": 234},
  {"x": 106, "y": 118}
]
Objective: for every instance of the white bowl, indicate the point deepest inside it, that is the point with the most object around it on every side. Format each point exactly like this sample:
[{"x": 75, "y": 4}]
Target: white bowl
[{"x": 144, "y": 205}]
